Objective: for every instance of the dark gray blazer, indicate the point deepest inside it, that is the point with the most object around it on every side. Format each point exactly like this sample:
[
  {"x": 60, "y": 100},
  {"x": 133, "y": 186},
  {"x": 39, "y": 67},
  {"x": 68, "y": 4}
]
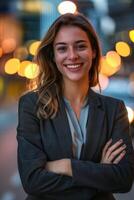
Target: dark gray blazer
[{"x": 40, "y": 141}]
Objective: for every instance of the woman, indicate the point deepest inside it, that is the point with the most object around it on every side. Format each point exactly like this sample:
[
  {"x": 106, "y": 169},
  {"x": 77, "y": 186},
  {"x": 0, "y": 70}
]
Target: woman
[{"x": 72, "y": 142}]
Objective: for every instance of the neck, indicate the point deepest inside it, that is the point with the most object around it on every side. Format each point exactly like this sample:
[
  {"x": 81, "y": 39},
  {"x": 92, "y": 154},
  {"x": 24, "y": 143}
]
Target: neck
[{"x": 76, "y": 92}]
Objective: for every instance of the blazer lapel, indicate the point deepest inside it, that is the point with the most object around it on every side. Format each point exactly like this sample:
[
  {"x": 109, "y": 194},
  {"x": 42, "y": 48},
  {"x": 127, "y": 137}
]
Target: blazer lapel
[
  {"x": 95, "y": 124},
  {"x": 63, "y": 132}
]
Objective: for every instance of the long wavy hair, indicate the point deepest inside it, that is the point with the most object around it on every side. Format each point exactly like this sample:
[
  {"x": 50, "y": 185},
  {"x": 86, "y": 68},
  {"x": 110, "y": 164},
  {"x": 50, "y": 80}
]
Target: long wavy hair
[{"x": 49, "y": 80}]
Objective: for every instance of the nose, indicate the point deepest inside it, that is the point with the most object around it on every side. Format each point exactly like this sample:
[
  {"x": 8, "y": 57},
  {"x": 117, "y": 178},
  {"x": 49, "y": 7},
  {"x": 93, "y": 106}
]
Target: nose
[{"x": 72, "y": 54}]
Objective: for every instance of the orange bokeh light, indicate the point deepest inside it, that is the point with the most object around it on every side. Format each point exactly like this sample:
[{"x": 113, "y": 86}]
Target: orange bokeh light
[
  {"x": 33, "y": 47},
  {"x": 113, "y": 58},
  {"x": 131, "y": 35},
  {"x": 104, "y": 82},
  {"x": 8, "y": 45},
  {"x": 122, "y": 49},
  {"x": 22, "y": 67},
  {"x": 31, "y": 71},
  {"x": 107, "y": 69},
  {"x": 12, "y": 66}
]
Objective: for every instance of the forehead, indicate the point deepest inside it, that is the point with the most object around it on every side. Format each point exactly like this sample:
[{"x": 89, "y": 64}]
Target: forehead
[{"x": 70, "y": 33}]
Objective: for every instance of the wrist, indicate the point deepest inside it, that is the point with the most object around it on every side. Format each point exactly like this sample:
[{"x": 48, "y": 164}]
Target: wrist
[{"x": 68, "y": 167}]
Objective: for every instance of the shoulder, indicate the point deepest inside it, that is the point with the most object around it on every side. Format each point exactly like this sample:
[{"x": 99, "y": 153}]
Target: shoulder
[
  {"x": 28, "y": 100},
  {"x": 109, "y": 99},
  {"x": 114, "y": 108},
  {"x": 108, "y": 102},
  {"x": 29, "y": 96}
]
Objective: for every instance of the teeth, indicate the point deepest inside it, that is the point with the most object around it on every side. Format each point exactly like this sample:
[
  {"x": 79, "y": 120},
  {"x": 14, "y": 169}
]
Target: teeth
[{"x": 73, "y": 66}]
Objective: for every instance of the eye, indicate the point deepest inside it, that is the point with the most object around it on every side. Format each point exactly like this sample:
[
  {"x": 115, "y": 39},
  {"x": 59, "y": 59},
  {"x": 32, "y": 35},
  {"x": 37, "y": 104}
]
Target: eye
[
  {"x": 61, "y": 48},
  {"x": 81, "y": 46}
]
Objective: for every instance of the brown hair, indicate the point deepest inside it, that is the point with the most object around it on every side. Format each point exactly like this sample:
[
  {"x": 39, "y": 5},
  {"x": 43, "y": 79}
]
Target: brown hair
[{"x": 49, "y": 80}]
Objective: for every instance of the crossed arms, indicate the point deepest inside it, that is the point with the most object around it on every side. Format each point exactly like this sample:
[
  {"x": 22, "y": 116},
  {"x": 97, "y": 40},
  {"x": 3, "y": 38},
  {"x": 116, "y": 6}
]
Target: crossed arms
[{"x": 40, "y": 176}]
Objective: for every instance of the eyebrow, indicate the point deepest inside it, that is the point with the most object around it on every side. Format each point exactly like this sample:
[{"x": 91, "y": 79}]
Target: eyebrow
[{"x": 64, "y": 43}]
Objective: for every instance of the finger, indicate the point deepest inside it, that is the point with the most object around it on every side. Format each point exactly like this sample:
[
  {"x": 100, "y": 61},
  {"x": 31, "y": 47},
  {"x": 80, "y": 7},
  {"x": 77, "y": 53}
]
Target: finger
[
  {"x": 116, "y": 153},
  {"x": 107, "y": 146},
  {"x": 113, "y": 147},
  {"x": 119, "y": 158}
]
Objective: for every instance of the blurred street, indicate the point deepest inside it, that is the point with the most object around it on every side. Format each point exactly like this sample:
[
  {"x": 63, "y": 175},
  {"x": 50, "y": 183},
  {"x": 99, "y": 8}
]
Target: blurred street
[{"x": 10, "y": 185}]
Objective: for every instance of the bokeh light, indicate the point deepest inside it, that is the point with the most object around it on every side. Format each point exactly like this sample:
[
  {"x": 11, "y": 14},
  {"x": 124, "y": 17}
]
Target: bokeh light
[
  {"x": 31, "y": 71},
  {"x": 67, "y": 7},
  {"x": 130, "y": 114},
  {"x": 22, "y": 67},
  {"x": 10, "y": 33},
  {"x": 12, "y": 66},
  {"x": 104, "y": 82},
  {"x": 122, "y": 49},
  {"x": 33, "y": 47},
  {"x": 8, "y": 45},
  {"x": 107, "y": 69},
  {"x": 131, "y": 35},
  {"x": 107, "y": 24},
  {"x": 30, "y": 6},
  {"x": 113, "y": 58}
]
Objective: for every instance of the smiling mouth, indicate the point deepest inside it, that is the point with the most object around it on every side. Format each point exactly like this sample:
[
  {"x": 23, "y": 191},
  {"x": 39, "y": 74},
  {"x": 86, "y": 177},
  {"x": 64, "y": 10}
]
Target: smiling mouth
[{"x": 73, "y": 66}]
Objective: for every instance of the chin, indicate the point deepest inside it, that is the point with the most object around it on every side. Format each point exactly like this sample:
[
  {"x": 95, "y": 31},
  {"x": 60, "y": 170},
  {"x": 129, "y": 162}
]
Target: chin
[{"x": 76, "y": 79}]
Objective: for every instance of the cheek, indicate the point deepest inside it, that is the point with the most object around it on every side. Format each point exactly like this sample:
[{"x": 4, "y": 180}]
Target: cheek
[
  {"x": 57, "y": 58},
  {"x": 58, "y": 64},
  {"x": 89, "y": 57}
]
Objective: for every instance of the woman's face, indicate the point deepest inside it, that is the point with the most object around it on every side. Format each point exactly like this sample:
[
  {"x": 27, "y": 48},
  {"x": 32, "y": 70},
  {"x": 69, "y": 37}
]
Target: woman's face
[{"x": 73, "y": 53}]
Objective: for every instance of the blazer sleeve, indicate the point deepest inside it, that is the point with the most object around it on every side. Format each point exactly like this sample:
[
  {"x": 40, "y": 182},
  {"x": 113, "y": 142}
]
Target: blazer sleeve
[
  {"x": 109, "y": 177},
  {"x": 32, "y": 158}
]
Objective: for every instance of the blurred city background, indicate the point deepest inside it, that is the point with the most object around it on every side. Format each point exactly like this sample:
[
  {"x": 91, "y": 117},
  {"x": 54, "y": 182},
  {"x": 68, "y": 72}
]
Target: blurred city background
[{"x": 23, "y": 23}]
